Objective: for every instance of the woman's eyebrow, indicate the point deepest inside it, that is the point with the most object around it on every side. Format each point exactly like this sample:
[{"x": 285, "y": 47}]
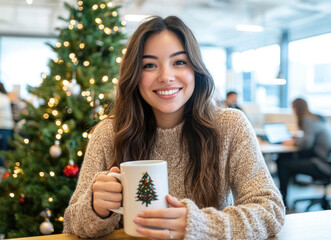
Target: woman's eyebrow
[
  {"x": 172, "y": 55},
  {"x": 150, "y": 56},
  {"x": 177, "y": 53}
]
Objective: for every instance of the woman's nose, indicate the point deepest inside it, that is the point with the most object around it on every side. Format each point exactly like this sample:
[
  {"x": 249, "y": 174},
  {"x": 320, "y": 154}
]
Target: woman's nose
[{"x": 166, "y": 75}]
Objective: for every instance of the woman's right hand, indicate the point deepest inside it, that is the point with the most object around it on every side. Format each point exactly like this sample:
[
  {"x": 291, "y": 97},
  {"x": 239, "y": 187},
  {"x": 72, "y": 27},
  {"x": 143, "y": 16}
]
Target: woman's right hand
[{"x": 107, "y": 193}]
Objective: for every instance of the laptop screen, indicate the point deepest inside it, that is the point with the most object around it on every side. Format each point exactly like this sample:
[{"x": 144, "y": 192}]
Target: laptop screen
[{"x": 276, "y": 132}]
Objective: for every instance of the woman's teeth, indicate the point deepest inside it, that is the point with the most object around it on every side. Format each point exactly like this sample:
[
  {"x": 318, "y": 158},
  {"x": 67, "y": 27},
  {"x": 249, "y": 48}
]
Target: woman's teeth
[{"x": 170, "y": 92}]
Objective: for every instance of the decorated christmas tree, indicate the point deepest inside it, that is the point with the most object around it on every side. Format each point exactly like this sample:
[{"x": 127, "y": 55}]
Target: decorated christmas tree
[
  {"x": 146, "y": 190},
  {"x": 50, "y": 141}
]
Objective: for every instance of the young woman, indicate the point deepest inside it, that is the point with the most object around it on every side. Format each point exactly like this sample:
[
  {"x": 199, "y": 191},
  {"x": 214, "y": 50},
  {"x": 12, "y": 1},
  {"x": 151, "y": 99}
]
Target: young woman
[
  {"x": 315, "y": 147},
  {"x": 219, "y": 185}
]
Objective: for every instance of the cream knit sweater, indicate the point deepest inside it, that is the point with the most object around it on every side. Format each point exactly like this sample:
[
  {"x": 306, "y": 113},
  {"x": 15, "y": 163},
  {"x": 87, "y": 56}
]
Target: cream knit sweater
[{"x": 250, "y": 205}]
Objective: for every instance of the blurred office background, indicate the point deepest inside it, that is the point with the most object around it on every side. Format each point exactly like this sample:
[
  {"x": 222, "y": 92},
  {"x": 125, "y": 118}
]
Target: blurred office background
[{"x": 269, "y": 51}]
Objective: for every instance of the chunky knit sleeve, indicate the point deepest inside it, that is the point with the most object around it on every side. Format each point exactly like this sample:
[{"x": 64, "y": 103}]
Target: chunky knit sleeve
[
  {"x": 79, "y": 217},
  {"x": 258, "y": 211}
]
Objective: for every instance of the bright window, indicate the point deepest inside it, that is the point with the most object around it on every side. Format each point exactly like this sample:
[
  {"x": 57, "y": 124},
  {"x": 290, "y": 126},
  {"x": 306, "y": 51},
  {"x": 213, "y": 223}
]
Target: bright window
[
  {"x": 254, "y": 75},
  {"x": 22, "y": 62},
  {"x": 215, "y": 60},
  {"x": 310, "y": 72}
]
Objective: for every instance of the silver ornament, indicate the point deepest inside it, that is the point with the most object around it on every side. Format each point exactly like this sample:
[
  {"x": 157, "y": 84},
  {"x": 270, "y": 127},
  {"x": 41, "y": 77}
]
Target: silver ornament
[
  {"x": 46, "y": 227},
  {"x": 55, "y": 150}
]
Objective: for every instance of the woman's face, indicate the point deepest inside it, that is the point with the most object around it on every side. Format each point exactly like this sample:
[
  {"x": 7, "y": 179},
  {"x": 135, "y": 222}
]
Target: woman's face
[{"x": 167, "y": 80}]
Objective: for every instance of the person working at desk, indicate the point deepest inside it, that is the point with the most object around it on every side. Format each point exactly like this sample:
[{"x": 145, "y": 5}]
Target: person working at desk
[
  {"x": 163, "y": 110},
  {"x": 315, "y": 147}
]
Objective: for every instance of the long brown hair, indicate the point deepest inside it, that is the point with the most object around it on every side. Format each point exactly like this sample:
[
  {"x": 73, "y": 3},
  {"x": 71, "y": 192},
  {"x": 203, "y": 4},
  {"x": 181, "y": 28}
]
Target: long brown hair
[
  {"x": 301, "y": 109},
  {"x": 135, "y": 123},
  {"x": 2, "y": 88}
]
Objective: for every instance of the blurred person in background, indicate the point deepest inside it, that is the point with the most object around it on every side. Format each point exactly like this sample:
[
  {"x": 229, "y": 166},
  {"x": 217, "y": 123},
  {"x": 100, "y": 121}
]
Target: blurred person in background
[
  {"x": 315, "y": 148},
  {"x": 6, "y": 121},
  {"x": 231, "y": 100}
]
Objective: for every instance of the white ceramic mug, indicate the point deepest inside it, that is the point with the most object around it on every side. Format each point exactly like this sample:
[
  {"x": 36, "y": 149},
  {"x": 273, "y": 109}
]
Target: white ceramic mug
[{"x": 145, "y": 186}]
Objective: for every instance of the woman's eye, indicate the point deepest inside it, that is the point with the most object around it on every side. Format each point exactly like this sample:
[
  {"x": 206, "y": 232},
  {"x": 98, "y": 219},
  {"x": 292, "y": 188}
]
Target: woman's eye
[
  {"x": 149, "y": 65},
  {"x": 180, "y": 62}
]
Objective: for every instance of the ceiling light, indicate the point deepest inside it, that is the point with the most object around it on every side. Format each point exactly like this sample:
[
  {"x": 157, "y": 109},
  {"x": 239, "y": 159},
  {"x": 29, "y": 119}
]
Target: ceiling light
[
  {"x": 249, "y": 28},
  {"x": 29, "y": 2},
  {"x": 276, "y": 81},
  {"x": 135, "y": 17}
]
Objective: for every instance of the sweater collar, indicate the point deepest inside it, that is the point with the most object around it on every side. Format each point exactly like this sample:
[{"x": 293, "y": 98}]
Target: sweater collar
[{"x": 170, "y": 133}]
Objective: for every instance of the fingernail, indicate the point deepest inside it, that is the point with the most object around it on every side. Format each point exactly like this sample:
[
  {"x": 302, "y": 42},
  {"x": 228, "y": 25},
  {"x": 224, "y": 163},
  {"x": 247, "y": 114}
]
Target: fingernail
[
  {"x": 137, "y": 220},
  {"x": 141, "y": 214},
  {"x": 139, "y": 229}
]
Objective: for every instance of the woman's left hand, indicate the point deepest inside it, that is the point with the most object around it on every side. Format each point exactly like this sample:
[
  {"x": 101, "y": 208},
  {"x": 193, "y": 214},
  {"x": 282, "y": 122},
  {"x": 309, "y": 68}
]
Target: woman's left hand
[{"x": 172, "y": 220}]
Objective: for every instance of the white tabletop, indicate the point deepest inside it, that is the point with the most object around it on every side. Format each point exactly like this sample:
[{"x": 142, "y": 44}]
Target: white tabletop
[
  {"x": 267, "y": 148},
  {"x": 306, "y": 226}
]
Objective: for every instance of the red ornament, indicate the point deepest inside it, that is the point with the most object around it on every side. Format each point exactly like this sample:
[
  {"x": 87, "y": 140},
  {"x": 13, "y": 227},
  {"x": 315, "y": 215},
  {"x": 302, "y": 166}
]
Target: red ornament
[
  {"x": 22, "y": 199},
  {"x": 71, "y": 170},
  {"x": 5, "y": 175}
]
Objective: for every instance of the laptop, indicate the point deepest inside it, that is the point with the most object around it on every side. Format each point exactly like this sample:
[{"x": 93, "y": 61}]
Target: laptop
[{"x": 276, "y": 132}]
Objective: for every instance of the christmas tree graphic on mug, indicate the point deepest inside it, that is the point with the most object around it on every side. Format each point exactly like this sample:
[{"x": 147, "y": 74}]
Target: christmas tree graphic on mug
[{"x": 146, "y": 190}]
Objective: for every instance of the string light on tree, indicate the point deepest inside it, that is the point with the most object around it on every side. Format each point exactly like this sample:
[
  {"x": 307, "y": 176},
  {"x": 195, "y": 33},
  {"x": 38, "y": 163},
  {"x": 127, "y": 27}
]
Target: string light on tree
[
  {"x": 79, "y": 153},
  {"x": 105, "y": 78},
  {"x": 98, "y": 20},
  {"x": 80, "y": 26},
  {"x": 107, "y": 30},
  {"x": 46, "y": 115},
  {"x": 115, "y": 80}
]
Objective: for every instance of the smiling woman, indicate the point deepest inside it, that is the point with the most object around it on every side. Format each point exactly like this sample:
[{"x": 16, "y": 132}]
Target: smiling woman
[
  {"x": 219, "y": 185},
  {"x": 167, "y": 80}
]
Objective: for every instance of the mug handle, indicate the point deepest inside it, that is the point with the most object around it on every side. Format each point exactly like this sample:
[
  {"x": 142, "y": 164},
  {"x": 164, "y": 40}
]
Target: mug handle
[{"x": 118, "y": 176}]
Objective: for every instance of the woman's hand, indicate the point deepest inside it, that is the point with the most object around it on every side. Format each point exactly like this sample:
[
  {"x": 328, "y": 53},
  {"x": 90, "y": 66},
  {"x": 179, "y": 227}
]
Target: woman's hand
[
  {"x": 107, "y": 193},
  {"x": 172, "y": 220},
  {"x": 289, "y": 142}
]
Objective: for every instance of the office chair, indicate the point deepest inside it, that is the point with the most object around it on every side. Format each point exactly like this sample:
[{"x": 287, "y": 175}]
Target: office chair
[
  {"x": 325, "y": 182},
  {"x": 324, "y": 200}
]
